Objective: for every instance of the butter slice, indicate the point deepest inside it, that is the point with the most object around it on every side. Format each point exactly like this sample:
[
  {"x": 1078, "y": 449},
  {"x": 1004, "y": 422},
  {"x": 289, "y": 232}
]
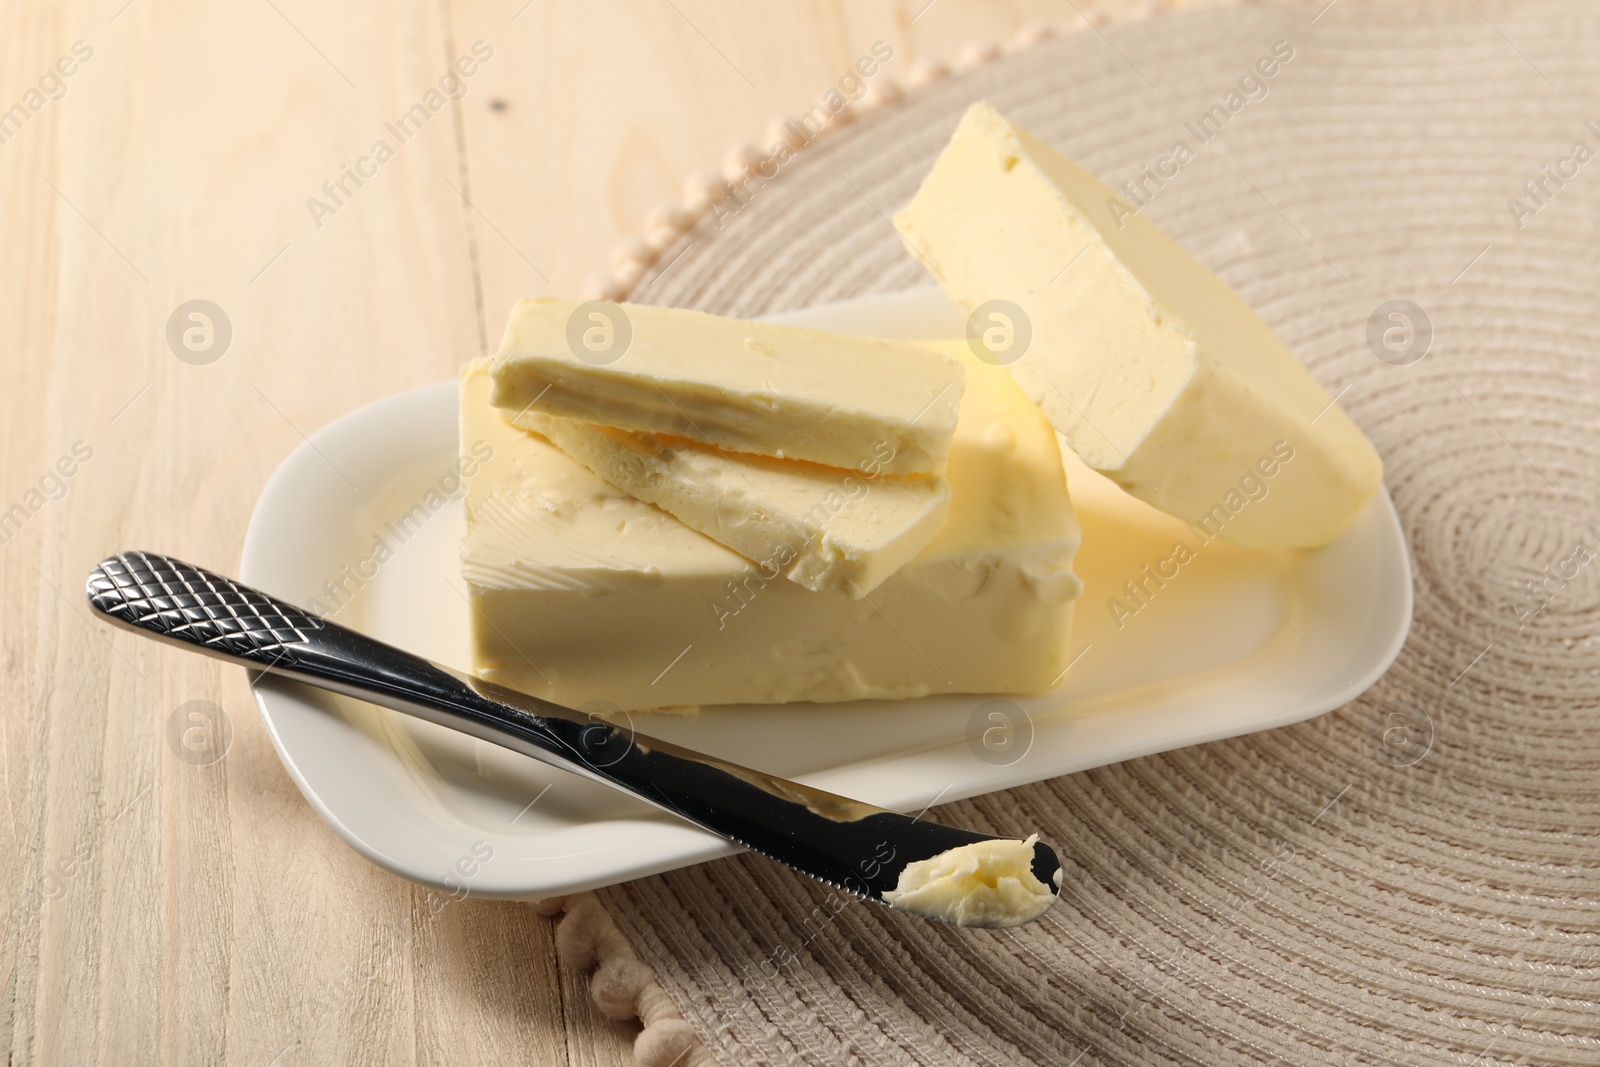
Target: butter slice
[
  {"x": 1155, "y": 371},
  {"x": 825, "y": 528},
  {"x": 586, "y": 596},
  {"x": 754, "y": 387},
  {"x": 986, "y": 883}
]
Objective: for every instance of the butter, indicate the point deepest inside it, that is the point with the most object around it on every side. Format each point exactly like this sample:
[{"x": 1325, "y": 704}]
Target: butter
[
  {"x": 842, "y": 531},
  {"x": 986, "y": 883},
  {"x": 754, "y": 387},
  {"x": 1155, "y": 371},
  {"x": 587, "y": 596}
]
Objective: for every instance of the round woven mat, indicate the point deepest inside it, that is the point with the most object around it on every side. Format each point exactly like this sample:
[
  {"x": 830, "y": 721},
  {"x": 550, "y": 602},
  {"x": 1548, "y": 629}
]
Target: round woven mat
[{"x": 1414, "y": 878}]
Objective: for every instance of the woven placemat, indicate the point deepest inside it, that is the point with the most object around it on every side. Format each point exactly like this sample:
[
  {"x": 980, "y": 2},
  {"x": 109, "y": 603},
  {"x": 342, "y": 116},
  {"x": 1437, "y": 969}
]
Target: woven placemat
[{"x": 1412, "y": 879}]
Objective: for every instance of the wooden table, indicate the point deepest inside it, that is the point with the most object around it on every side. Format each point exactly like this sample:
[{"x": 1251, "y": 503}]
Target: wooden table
[{"x": 166, "y": 151}]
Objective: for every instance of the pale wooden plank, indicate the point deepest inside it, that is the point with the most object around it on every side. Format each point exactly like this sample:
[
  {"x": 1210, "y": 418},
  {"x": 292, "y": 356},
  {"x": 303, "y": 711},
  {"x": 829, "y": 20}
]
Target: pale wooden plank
[
  {"x": 607, "y": 107},
  {"x": 213, "y": 928}
]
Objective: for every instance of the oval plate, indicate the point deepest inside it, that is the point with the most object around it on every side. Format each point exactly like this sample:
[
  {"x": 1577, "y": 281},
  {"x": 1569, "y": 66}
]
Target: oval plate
[{"x": 362, "y": 524}]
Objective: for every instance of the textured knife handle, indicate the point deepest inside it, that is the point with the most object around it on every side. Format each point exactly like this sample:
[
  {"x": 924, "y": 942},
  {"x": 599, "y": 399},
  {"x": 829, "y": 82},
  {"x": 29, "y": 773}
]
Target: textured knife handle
[
  {"x": 183, "y": 603},
  {"x": 178, "y": 602}
]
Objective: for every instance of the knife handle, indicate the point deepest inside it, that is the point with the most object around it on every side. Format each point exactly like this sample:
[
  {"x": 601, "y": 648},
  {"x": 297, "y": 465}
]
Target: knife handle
[{"x": 179, "y": 603}]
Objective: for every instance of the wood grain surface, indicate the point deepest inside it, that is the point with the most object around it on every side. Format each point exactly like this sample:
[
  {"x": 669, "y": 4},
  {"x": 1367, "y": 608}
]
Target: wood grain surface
[{"x": 159, "y": 907}]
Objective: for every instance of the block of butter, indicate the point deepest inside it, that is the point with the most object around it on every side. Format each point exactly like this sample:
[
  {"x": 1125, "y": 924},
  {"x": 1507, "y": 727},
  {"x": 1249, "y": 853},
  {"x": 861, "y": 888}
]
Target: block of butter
[
  {"x": 843, "y": 531},
  {"x": 584, "y": 595},
  {"x": 1154, "y": 370},
  {"x": 743, "y": 386}
]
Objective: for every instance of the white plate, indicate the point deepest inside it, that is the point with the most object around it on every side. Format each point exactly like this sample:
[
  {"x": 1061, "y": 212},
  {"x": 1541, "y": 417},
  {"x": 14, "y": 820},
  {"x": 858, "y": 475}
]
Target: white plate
[{"x": 1236, "y": 642}]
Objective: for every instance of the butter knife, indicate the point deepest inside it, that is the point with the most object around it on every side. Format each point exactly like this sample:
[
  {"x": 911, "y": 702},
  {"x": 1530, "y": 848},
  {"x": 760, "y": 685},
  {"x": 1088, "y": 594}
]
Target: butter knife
[{"x": 855, "y": 847}]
